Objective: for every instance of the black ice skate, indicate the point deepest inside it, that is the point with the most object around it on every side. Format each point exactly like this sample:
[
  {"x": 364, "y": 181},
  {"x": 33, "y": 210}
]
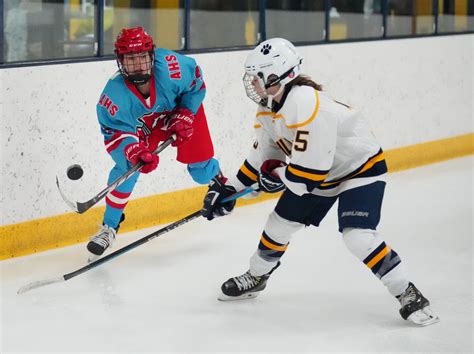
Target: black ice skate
[
  {"x": 415, "y": 307},
  {"x": 245, "y": 286},
  {"x": 102, "y": 240}
]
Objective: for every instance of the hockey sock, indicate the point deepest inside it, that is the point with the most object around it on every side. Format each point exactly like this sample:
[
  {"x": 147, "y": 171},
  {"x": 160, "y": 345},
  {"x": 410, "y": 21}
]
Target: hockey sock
[
  {"x": 383, "y": 261},
  {"x": 273, "y": 244},
  {"x": 115, "y": 203}
]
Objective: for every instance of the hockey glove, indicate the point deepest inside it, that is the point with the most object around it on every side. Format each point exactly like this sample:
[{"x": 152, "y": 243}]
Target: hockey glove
[
  {"x": 268, "y": 180},
  {"x": 181, "y": 124},
  {"x": 217, "y": 191},
  {"x": 137, "y": 152}
]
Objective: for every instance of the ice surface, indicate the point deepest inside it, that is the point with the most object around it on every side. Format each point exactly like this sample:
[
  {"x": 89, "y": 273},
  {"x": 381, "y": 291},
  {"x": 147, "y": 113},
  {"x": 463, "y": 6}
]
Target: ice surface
[{"x": 162, "y": 296}]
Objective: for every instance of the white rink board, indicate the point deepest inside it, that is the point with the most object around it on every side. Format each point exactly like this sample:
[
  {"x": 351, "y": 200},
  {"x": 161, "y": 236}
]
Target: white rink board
[{"x": 412, "y": 91}]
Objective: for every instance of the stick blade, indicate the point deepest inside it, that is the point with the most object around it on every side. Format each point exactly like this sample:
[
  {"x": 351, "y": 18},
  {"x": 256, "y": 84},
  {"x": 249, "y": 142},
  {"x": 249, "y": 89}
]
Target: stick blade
[
  {"x": 38, "y": 284},
  {"x": 72, "y": 205}
]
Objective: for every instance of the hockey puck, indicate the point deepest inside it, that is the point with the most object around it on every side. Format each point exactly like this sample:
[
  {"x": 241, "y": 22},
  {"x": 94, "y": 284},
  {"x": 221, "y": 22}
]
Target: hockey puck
[{"x": 75, "y": 172}]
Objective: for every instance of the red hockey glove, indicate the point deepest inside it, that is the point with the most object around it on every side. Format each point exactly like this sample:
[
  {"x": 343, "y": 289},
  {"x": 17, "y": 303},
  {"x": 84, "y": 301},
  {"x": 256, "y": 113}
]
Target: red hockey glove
[
  {"x": 181, "y": 124},
  {"x": 137, "y": 152},
  {"x": 268, "y": 180}
]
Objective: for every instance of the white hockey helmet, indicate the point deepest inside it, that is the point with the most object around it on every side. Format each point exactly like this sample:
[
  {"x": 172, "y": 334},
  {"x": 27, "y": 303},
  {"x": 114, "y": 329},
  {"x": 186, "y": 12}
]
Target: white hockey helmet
[{"x": 274, "y": 61}]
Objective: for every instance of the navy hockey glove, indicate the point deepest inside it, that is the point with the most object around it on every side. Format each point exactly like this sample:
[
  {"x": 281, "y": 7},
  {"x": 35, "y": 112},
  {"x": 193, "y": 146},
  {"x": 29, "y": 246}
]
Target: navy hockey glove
[
  {"x": 217, "y": 191},
  {"x": 268, "y": 180}
]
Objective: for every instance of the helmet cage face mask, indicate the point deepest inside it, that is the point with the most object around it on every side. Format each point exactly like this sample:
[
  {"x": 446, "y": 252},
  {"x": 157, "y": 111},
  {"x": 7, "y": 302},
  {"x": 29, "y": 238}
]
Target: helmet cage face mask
[
  {"x": 272, "y": 80},
  {"x": 251, "y": 91},
  {"x": 133, "y": 42}
]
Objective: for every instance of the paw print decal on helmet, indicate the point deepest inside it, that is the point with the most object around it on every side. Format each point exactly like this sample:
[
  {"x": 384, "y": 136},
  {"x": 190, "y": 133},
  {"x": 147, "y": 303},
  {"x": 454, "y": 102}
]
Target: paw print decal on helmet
[{"x": 266, "y": 49}]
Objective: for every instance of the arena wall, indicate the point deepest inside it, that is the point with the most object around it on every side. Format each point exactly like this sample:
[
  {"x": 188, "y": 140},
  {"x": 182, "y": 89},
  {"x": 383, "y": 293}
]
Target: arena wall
[{"x": 417, "y": 95}]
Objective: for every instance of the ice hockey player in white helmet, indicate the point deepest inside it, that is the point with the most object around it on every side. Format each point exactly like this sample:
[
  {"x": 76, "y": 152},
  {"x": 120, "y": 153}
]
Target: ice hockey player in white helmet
[
  {"x": 317, "y": 151},
  {"x": 273, "y": 63}
]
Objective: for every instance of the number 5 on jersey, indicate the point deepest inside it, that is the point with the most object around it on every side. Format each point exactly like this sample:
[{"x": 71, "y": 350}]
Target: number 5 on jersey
[{"x": 301, "y": 140}]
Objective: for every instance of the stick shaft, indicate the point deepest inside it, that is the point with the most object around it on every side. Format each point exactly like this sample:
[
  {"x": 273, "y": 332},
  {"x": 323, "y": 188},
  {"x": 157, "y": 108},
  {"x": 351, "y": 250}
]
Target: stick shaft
[
  {"x": 81, "y": 207},
  {"x": 127, "y": 248},
  {"x": 151, "y": 236},
  {"x": 133, "y": 245}
]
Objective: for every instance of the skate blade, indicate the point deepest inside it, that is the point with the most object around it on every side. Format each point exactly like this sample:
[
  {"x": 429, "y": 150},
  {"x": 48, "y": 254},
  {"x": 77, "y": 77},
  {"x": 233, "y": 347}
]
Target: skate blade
[
  {"x": 224, "y": 297},
  {"x": 423, "y": 317}
]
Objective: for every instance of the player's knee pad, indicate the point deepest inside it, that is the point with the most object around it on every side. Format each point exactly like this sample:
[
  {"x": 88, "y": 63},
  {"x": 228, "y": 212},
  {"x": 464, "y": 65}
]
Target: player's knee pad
[
  {"x": 279, "y": 229},
  {"x": 361, "y": 242}
]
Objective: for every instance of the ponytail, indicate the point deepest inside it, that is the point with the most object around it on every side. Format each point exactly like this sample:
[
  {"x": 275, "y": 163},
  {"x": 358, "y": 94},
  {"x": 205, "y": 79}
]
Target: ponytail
[{"x": 303, "y": 80}]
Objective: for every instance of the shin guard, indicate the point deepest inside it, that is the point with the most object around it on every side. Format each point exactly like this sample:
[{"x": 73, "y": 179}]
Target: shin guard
[
  {"x": 383, "y": 261},
  {"x": 273, "y": 244}
]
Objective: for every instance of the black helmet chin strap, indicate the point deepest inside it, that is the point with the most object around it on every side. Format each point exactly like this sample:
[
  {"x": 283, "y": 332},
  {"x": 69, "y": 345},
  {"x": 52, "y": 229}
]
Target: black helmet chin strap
[
  {"x": 135, "y": 79},
  {"x": 138, "y": 79},
  {"x": 282, "y": 77}
]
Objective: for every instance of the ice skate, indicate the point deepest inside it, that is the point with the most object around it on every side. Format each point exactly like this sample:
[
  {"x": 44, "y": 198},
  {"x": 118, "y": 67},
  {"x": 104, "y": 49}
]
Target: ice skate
[
  {"x": 245, "y": 286},
  {"x": 416, "y": 308},
  {"x": 102, "y": 240}
]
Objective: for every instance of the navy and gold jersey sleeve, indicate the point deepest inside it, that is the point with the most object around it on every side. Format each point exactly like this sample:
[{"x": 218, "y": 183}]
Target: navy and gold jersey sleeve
[{"x": 263, "y": 148}]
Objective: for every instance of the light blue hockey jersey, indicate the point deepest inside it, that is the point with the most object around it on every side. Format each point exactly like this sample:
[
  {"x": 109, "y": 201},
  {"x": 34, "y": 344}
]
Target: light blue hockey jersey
[{"x": 125, "y": 116}]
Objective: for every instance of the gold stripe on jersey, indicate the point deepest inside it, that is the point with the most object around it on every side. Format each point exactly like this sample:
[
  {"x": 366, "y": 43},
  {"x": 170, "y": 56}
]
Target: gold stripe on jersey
[
  {"x": 308, "y": 175},
  {"x": 372, "y": 162},
  {"x": 256, "y": 126},
  {"x": 365, "y": 167},
  {"x": 310, "y": 119},
  {"x": 246, "y": 171},
  {"x": 282, "y": 145},
  {"x": 271, "y": 245}
]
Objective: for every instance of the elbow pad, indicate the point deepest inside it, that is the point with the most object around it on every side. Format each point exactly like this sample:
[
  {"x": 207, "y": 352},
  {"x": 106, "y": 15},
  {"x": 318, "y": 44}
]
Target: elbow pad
[{"x": 203, "y": 172}]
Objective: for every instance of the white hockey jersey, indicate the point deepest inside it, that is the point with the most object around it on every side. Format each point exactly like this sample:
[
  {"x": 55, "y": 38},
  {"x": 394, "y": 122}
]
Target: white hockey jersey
[{"x": 328, "y": 146}]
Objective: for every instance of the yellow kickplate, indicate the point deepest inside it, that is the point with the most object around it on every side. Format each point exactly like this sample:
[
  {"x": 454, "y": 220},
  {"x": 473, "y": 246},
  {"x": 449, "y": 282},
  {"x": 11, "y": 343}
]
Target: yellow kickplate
[{"x": 71, "y": 228}]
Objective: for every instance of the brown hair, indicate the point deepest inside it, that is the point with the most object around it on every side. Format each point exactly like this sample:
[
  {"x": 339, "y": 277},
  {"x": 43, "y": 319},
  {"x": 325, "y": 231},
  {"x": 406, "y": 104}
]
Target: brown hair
[{"x": 303, "y": 80}]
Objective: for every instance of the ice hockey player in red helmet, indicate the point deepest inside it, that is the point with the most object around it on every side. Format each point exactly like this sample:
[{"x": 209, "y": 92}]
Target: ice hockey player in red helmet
[{"x": 155, "y": 94}]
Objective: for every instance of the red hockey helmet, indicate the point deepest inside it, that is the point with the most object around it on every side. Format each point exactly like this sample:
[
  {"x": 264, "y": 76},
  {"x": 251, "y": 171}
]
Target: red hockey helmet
[{"x": 133, "y": 40}]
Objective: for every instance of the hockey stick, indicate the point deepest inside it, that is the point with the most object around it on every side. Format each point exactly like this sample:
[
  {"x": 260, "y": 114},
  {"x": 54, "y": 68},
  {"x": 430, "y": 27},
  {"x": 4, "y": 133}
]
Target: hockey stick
[
  {"x": 81, "y": 207},
  {"x": 127, "y": 248}
]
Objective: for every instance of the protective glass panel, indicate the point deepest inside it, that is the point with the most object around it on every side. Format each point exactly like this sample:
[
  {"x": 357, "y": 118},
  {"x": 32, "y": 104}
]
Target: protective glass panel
[
  {"x": 217, "y": 23},
  {"x": 355, "y": 19},
  {"x": 48, "y": 29},
  {"x": 455, "y": 15},
  {"x": 296, "y": 20},
  {"x": 410, "y": 17},
  {"x": 162, "y": 19}
]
